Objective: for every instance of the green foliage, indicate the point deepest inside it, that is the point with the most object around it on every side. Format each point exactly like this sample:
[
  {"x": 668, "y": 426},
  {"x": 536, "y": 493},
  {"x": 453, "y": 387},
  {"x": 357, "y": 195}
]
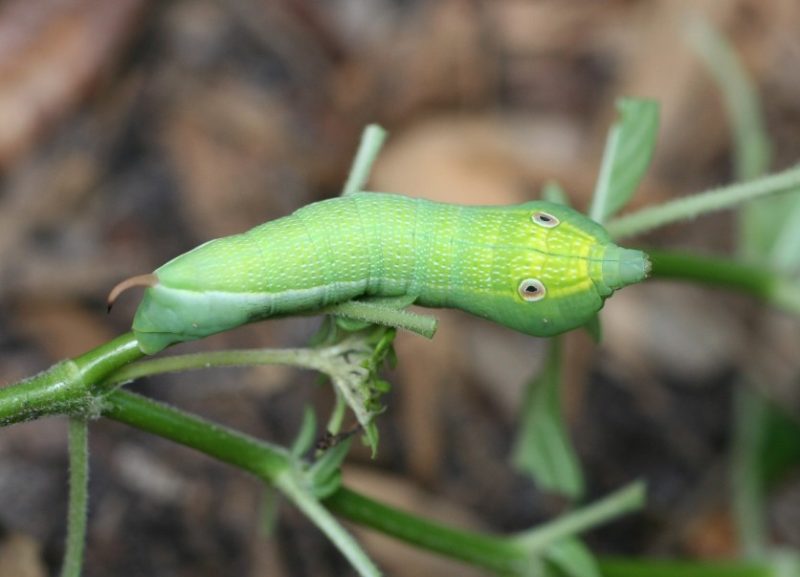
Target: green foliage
[
  {"x": 356, "y": 359},
  {"x": 768, "y": 233},
  {"x": 752, "y": 149},
  {"x": 543, "y": 449},
  {"x": 770, "y": 228},
  {"x": 305, "y": 437},
  {"x": 325, "y": 473},
  {"x": 554, "y": 192},
  {"x": 352, "y": 350},
  {"x": 629, "y": 150},
  {"x": 779, "y": 450},
  {"x": 696, "y": 205},
  {"x": 571, "y": 558}
]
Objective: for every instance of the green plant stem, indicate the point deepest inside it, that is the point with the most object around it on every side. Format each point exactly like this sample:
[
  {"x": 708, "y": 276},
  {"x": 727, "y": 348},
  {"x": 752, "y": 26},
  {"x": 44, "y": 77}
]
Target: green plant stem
[
  {"x": 268, "y": 462},
  {"x": 753, "y": 280},
  {"x": 271, "y": 463},
  {"x": 325, "y": 521},
  {"x": 496, "y": 553},
  {"x": 624, "y": 501},
  {"x": 306, "y": 358},
  {"x": 78, "y": 497},
  {"x": 68, "y": 387},
  {"x": 262, "y": 459},
  {"x": 618, "y": 567},
  {"x": 371, "y": 143},
  {"x": 750, "y": 417},
  {"x": 713, "y": 200}
]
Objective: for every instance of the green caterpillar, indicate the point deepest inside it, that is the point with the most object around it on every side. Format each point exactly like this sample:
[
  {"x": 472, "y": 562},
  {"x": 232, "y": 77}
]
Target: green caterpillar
[{"x": 540, "y": 268}]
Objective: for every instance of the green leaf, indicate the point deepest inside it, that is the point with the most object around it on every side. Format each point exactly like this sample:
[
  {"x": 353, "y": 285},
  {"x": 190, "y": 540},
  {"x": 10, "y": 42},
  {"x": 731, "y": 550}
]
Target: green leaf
[
  {"x": 747, "y": 477},
  {"x": 752, "y": 147},
  {"x": 768, "y": 227},
  {"x": 784, "y": 562},
  {"x": 571, "y": 558},
  {"x": 552, "y": 191},
  {"x": 781, "y": 444},
  {"x": 628, "y": 152},
  {"x": 785, "y": 251},
  {"x": 325, "y": 473},
  {"x": 766, "y": 446},
  {"x": 543, "y": 449},
  {"x": 353, "y": 365},
  {"x": 371, "y": 438},
  {"x": 305, "y": 438}
]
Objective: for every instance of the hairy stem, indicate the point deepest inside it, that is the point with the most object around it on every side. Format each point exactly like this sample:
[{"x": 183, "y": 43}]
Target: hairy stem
[
  {"x": 273, "y": 464},
  {"x": 624, "y": 501},
  {"x": 328, "y": 525},
  {"x": 68, "y": 387},
  {"x": 262, "y": 459},
  {"x": 304, "y": 358},
  {"x": 697, "y": 204},
  {"x": 496, "y": 553},
  {"x": 78, "y": 497},
  {"x": 501, "y": 554},
  {"x": 371, "y": 143}
]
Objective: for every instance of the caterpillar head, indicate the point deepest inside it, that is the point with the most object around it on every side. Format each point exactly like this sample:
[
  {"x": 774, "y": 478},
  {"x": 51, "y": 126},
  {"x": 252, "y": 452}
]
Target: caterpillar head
[{"x": 553, "y": 270}]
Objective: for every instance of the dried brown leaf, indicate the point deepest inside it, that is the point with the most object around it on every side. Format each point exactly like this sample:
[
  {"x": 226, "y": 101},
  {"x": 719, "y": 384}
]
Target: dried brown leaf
[{"x": 51, "y": 52}]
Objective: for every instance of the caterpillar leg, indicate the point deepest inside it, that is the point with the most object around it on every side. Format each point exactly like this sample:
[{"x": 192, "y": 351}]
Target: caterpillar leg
[
  {"x": 387, "y": 311},
  {"x": 349, "y": 323}
]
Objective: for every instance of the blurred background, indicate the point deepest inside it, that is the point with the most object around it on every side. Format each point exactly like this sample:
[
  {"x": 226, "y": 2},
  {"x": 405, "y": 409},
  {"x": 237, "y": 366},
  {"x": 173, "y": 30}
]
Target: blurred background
[{"x": 133, "y": 130}]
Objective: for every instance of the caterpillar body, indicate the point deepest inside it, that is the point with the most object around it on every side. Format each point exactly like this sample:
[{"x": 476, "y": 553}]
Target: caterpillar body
[{"x": 538, "y": 267}]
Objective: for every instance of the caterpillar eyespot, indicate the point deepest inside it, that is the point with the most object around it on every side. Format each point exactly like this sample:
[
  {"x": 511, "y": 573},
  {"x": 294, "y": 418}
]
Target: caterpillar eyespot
[
  {"x": 544, "y": 219},
  {"x": 532, "y": 290},
  {"x": 382, "y": 245}
]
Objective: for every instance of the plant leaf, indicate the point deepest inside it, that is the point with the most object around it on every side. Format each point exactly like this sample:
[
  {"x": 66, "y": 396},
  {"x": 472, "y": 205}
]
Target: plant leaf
[
  {"x": 325, "y": 473},
  {"x": 570, "y": 557},
  {"x": 628, "y": 152},
  {"x": 752, "y": 147},
  {"x": 305, "y": 437},
  {"x": 543, "y": 449},
  {"x": 770, "y": 226},
  {"x": 552, "y": 191}
]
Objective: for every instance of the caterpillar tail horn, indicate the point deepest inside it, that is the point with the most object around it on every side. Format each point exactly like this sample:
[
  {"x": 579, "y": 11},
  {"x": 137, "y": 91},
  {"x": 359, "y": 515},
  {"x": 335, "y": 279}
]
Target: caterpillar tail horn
[{"x": 145, "y": 280}]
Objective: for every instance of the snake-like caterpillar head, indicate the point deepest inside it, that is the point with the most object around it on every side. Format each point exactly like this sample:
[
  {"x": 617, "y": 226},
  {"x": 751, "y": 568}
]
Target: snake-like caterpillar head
[{"x": 549, "y": 269}]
